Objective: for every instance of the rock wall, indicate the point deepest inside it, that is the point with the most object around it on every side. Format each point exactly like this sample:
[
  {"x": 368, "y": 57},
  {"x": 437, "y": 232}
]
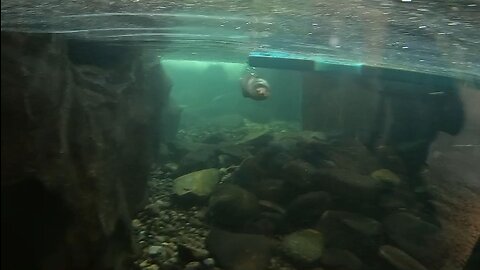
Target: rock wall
[{"x": 80, "y": 125}]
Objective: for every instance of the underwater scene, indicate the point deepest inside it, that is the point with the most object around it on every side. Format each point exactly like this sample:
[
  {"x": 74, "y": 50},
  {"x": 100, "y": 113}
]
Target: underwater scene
[{"x": 240, "y": 135}]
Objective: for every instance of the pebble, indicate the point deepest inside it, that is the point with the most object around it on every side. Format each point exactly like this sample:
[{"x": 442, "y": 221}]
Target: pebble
[
  {"x": 136, "y": 223},
  {"x": 153, "y": 250},
  {"x": 192, "y": 266},
  {"x": 152, "y": 267},
  {"x": 209, "y": 262}
]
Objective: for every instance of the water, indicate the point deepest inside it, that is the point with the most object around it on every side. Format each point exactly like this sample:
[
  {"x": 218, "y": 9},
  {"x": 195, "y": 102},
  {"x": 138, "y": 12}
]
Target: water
[{"x": 128, "y": 143}]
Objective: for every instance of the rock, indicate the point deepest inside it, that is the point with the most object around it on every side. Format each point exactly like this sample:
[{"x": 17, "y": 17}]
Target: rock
[
  {"x": 136, "y": 224},
  {"x": 257, "y": 137},
  {"x": 249, "y": 173},
  {"x": 341, "y": 259},
  {"x": 349, "y": 185},
  {"x": 268, "y": 206},
  {"x": 80, "y": 127},
  {"x": 187, "y": 253},
  {"x": 204, "y": 156},
  {"x": 306, "y": 209},
  {"x": 232, "y": 206},
  {"x": 420, "y": 239},
  {"x": 298, "y": 174},
  {"x": 399, "y": 259},
  {"x": 304, "y": 247},
  {"x": 152, "y": 267},
  {"x": 236, "y": 251},
  {"x": 193, "y": 266},
  {"x": 209, "y": 262},
  {"x": 386, "y": 176},
  {"x": 267, "y": 223},
  {"x": 171, "y": 167},
  {"x": 154, "y": 250},
  {"x": 196, "y": 185},
  {"x": 270, "y": 189},
  {"x": 237, "y": 152},
  {"x": 351, "y": 231},
  {"x": 366, "y": 226}
]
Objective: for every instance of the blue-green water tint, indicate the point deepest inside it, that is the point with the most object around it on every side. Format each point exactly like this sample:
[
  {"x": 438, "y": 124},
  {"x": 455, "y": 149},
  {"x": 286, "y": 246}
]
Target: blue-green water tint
[
  {"x": 439, "y": 37},
  {"x": 401, "y": 71}
]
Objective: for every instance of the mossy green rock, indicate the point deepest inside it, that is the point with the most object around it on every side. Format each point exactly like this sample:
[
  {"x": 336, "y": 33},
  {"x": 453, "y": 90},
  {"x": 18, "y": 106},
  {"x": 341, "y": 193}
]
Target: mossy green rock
[
  {"x": 199, "y": 183},
  {"x": 304, "y": 247},
  {"x": 386, "y": 176}
]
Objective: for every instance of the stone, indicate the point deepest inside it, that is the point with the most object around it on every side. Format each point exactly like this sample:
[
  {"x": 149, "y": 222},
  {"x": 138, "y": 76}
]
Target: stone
[
  {"x": 152, "y": 267},
  {"x": 307, "y": 208},
  {"x": 193, "y": 266},
  {"x": 203, "y": 156},
  {"x": 304, "y": 247},
  {"x": 198, "y": 185},
  {"x": 418, "y": 238},
  {"x": 154, "y": 250},
  {"x": 231, "y": 206},
  {"x": 348, "y": 185},
  {"x": 238, "y": 251},
  {"x": 341, "y": 259},
  {"x": 136, "y": 224},
  {"x": 188, "y": 253},
  {"x": 209, "y": 262},
  {"x": 351, "y": 231},
  {"x": 399, "y": 259},
  {"x": 80, "y": 127},
  {"x": 298, "y": 174},
  {"x": 386, "y": 176},
  {"x": 270, "y": 189}
]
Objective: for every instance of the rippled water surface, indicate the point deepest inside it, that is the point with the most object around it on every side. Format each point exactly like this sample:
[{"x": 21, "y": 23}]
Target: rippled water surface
[{"x": 431, "y": 36}]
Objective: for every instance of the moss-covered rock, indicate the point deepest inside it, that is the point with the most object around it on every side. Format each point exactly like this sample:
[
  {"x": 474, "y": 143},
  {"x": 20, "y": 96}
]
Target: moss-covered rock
[
  {"x": 196, "y": 185},
  {"x": 304, "y": 247}
]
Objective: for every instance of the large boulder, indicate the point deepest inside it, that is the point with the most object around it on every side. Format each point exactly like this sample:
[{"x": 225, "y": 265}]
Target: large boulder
[{"x": 80, "y": 130}]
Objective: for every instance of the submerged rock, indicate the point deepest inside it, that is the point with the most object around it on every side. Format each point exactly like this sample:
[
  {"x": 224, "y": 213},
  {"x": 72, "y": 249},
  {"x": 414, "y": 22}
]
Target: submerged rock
[
  {"x": 237, "y": 251},
  {"x": 346, "y": 230},
  {"x": 204, "y": 156},
  {"x": 308, "y": 208},
  {"x": 386, "y": 176},
  {"x": 399, "y": 259},
  {"x": 342, "y": 259},
  {"x": 298, "y": 174},
  {"x": 304, "y": 247},
  {"x": 196, "y": 185},
  {"x": 349, "y": 185},
  {"x": 418, "y": 238},
  {"x": 231, "y": 206}
]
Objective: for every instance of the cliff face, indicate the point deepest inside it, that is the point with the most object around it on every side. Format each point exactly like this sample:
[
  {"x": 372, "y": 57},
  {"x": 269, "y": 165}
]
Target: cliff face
[{"x": 80, "y": 128}]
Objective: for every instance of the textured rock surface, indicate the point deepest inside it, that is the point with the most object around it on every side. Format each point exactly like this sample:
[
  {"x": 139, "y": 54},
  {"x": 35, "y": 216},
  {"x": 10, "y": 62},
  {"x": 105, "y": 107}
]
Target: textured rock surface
[
  {"x": 236, "y": 251},
  {"x": 77, "y": 134},
  {"x": 304, "y": 247},
  {"x": 199, "y": 183}
]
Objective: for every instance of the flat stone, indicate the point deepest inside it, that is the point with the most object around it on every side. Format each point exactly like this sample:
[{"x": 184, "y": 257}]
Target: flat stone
[
  {"x": 399, "y": 259},
  {"x": 386, "y": 176},
  {"x": 199, "y": 183},
  {"x": 420, "y": 239}
]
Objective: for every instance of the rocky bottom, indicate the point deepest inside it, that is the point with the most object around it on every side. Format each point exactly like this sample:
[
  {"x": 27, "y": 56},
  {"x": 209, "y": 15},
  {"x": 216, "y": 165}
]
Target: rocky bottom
[{"x": 272, "y": 197}]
